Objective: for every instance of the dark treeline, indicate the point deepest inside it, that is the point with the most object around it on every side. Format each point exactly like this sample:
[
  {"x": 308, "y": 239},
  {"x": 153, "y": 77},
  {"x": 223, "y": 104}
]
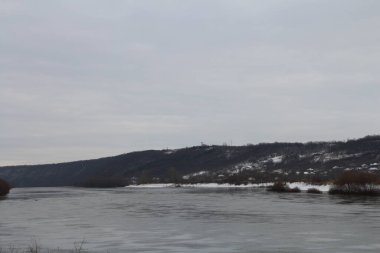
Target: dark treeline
[
  {"x": 104, "y": 182},
  {"x": 315, "y": 162}
]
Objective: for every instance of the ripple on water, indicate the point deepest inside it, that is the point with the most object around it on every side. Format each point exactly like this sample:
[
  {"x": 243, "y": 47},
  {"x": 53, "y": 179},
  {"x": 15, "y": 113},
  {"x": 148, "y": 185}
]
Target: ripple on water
[{"x": 189, "y": 220}]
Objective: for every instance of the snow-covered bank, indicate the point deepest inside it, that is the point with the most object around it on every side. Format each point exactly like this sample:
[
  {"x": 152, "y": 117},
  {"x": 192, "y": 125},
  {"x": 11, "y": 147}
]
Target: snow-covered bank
[
  {"x": 301, "y": 185},
  {"x": 215, "y": 185},
  {"x": 151, "y": 186},
  {"x": 304, "y": 186},
  {"x": 206, "y": 185}
]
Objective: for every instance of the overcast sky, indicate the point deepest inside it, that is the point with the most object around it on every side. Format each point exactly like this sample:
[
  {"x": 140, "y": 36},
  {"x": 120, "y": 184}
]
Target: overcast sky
[{"x": 87, "y": 79}]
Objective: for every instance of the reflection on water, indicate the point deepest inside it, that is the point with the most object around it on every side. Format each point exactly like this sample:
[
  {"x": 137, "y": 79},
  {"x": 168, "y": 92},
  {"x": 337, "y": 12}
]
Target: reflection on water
[{"x": 189, "y": 220}]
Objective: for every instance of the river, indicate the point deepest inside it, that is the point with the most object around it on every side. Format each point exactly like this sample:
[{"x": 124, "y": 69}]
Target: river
[{"x": 189, "y": 220}]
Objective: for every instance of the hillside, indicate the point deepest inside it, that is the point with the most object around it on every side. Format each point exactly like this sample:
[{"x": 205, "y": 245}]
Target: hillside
[{"x": 313, "y": 161}]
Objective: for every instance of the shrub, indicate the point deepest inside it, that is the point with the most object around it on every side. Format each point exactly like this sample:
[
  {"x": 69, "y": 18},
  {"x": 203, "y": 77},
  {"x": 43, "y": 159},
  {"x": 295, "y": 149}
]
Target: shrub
[
  {"x": 281, "y": 186},
  {"x": 4, "y": 187},
  {"x": 313, "y": 191},
  {"x": 354, "y": 182},
  {"x": 278, "y": 186}
]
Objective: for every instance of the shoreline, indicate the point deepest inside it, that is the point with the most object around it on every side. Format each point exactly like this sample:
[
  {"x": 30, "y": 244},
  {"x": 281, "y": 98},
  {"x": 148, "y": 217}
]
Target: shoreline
[{"x": 301, "y": 185}]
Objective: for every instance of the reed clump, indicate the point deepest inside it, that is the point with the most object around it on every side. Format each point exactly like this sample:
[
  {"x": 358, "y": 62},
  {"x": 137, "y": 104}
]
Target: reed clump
[{"x": 356, "y": 183}]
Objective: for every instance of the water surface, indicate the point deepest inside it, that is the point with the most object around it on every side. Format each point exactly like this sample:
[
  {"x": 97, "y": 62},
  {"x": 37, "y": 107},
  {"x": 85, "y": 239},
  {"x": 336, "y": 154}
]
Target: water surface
[{"x": 189, "y": 220}]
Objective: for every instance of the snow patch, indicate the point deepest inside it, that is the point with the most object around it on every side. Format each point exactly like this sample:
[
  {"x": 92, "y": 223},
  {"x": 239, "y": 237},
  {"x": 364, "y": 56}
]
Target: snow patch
[
  {"x": 150, "y": 186},
  {"x": 170, "y": 151},
  {"x": 325, "y": 157},
  {"x": 215, "y": 185},
  {"x": 277, "y": 159},
  {"x": 304, "y": 186},
  {"x": 199, "y": 173},
  {"x": 241, "y": 167},
  {"x": 274, "y": 159}
]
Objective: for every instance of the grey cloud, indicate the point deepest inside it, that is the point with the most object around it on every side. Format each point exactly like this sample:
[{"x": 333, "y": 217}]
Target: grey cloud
[{"x": 83, "y": 79}]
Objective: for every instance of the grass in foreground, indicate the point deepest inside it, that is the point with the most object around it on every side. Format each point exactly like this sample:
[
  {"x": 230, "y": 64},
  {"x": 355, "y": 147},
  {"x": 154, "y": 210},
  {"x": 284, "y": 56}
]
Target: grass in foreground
[{"x": 35, "y": 248}]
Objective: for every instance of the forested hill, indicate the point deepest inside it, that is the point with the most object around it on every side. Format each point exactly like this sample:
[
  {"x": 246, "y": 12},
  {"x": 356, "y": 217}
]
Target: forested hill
[{"x": 318, "y": 161}]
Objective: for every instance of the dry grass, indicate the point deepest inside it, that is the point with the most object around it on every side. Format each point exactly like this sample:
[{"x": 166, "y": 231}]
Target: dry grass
[
  {"x": 34, "y": 247},
  {"x": 356, "y": 183}
]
